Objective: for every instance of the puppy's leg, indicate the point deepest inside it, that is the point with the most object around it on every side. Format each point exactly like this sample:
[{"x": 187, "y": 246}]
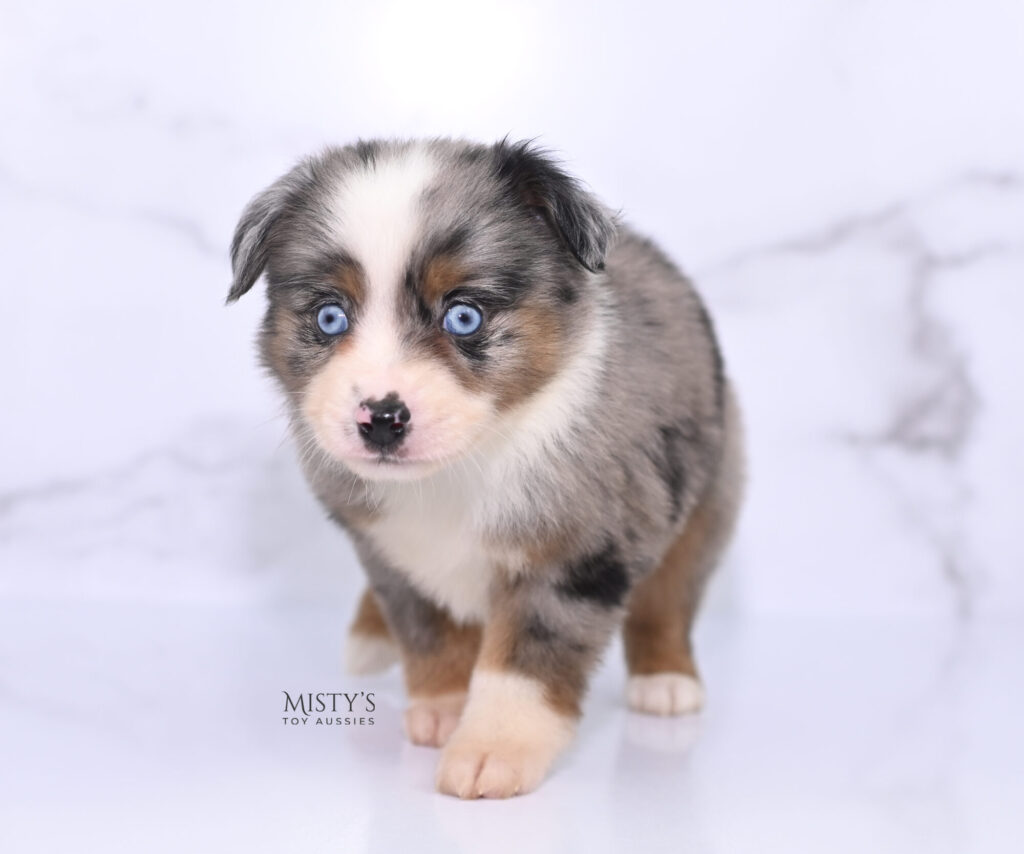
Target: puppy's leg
[
  {"x": 437, "y": 679},
  {"x": 539, "y": 646},
  {"x": 663, "y": 677},
  {"x": 437, "y": 656},
  {"x": 370, "y": 647}
]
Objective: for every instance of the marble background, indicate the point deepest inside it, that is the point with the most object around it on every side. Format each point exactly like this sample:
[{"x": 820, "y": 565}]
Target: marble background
[{"x": 844, "y": 180}]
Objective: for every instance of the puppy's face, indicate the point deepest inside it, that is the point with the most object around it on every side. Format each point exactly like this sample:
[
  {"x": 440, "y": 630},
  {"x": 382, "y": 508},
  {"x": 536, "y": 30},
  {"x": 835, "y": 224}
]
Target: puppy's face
[{"x": 418, "y": 292}]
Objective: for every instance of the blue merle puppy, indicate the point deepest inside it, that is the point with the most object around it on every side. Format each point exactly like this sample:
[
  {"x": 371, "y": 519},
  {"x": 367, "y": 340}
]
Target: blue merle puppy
[{"x": 518, "y": 410}]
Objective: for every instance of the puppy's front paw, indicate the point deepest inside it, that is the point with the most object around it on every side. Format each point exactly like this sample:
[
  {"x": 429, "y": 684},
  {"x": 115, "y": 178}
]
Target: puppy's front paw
[
  {"x": 480, "y": 769},
  {"x": 430, "y": 721},
  {"x": 665, "y": 694},
  {"x": 506, "y": 741}
]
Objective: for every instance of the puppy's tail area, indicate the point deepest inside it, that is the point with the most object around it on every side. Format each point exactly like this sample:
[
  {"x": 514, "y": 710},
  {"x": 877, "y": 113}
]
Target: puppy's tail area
[{"x": 370, "y": 648}]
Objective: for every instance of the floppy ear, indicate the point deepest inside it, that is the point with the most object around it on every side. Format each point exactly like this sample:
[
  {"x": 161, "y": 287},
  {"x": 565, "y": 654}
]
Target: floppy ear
[
  {"x": 256, "y": 230},
  {"x": 539, "y": 182}
]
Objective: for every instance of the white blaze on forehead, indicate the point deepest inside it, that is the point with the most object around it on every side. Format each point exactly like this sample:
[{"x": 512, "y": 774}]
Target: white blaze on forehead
[
  {"x": 377, "y": 222},
  {"x": 376, "y": 211}
]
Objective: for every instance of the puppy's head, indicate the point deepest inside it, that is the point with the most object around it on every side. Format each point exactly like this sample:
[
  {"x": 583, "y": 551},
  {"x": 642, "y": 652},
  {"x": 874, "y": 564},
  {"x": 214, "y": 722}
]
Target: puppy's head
[{"x": 418, "y": 292}]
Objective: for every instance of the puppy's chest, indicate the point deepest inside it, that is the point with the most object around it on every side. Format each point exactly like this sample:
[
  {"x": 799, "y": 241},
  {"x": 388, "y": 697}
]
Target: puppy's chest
[{"x": 433, "y": 541}]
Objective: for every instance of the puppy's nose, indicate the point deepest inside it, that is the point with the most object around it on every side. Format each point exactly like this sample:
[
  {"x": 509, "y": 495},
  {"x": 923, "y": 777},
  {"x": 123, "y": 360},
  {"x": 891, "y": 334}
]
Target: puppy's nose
[{"x": 383, "y": 422}]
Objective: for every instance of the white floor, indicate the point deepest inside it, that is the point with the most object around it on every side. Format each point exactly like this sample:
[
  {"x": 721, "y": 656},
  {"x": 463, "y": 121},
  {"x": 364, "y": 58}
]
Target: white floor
[{"x": 133, "y": 728}]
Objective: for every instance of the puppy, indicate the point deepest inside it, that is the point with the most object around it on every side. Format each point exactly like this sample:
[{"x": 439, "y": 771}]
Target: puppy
[{"x": 518, "y": 410}]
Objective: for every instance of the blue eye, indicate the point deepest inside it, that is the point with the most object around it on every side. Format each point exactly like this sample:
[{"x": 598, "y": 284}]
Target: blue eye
[
  {"x": 462, "y": 319},
  {"x": 332, "y": 319}
]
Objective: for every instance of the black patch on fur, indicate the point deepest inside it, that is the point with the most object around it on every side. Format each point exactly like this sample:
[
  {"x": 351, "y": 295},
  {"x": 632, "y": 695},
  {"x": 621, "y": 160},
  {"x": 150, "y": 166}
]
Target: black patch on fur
[
  {"x": 331, "y": 262},
  {"x": 508, "y": 287},
  {"x": 412, "y": 288},
  {"x": 451, "y": 243},
  {"x": 367, "y": 150},
  {"x": 716, "y": 354},
  {"x": 473, "y": 154},
  {"x": 473, "y": 347},
  {"x": 496, "y": 291},
  {"x": 537, "y": 641},
  {"x": 537, "y": 630},
  {"x": 672, "y": 469},
  {"x": 534, "y": 182},
  {"x": 551, "y": 656},
  {"x": 599, "y": 578}
]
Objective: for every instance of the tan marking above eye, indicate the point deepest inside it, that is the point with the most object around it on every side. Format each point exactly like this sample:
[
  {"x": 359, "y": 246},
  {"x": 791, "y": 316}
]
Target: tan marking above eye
[
  {"x": 349, "y": 279},
  {"x": 442, "y": 274}
]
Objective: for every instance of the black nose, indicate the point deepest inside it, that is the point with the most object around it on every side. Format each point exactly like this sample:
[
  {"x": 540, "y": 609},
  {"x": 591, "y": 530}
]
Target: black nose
[{"x": 383, "y": 422}]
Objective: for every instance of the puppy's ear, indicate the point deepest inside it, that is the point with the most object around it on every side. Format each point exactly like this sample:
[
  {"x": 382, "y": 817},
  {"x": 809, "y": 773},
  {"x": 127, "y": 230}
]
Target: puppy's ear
[
  {"x": 537, "y": 180},
  {"x": 258, "y": 228}
]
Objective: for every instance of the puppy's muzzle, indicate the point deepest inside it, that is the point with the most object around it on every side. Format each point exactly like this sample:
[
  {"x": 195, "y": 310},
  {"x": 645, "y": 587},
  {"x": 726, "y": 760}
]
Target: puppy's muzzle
[{"x": 383, "y": 423}]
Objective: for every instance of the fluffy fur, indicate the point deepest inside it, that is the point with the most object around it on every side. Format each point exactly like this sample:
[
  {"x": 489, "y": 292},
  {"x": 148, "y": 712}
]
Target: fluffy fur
[{"x": 572, "y": 467}]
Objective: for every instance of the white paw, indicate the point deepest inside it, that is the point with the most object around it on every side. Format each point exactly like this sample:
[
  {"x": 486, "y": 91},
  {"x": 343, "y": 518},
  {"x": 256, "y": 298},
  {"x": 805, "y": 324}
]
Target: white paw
[
  {"x": 482, "y": 769},
  {"x": 369, "y": 654},
  {"x": 506, "y": 741},
  {"x": 431, "y": 721},
  {"x": 665, "y": 694}
]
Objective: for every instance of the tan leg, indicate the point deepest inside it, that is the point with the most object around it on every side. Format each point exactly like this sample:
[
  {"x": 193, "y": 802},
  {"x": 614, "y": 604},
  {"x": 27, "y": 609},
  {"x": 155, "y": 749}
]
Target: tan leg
[
  {"x": 370, "y": 647},
  {"x": 539, "y": 646},
  {"x": 437, "y": 654},
  {"x": 437, "y": 682},
  {"x": 663, "y": 677}
]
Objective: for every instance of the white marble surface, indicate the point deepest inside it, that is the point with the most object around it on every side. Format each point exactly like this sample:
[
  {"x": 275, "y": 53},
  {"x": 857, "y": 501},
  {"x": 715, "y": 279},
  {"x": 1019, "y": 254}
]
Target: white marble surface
[
  {"x": 845, "y": 180},
  {"x": 159, "y": 728}
]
